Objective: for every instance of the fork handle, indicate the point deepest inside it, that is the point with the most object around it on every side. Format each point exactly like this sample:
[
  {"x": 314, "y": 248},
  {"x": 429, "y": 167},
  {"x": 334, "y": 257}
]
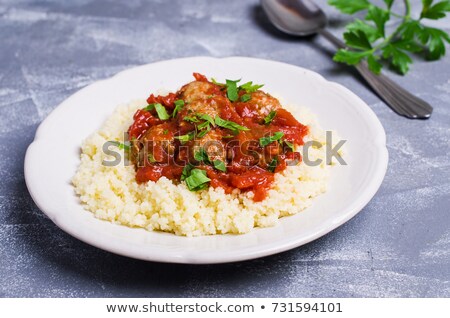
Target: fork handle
[{"x": 400, "y": 100}]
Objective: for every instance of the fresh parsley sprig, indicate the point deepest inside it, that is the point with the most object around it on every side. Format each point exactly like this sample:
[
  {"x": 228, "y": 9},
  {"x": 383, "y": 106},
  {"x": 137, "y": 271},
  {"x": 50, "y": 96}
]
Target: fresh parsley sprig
[
  {"x": 231, "y": 125},
  {"x": 196, "y": 179},
  {"x": 160, "y": 110},
  {"x": 369, "y": 39},
  {"x": 179, "y": 104},
  {"x": 269, "y": 118},
  {"x": 264, "y": 141},
  {"x": 233, "y": 89},
  {"x": 202, "y": 156}
]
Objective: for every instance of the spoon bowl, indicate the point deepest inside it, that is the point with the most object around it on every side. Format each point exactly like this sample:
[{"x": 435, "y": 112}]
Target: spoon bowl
[{"x": 299, "y": 18}]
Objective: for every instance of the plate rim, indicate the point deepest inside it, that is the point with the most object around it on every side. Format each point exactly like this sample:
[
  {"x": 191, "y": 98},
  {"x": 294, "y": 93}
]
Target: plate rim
[{"x": 270, "y": 249}]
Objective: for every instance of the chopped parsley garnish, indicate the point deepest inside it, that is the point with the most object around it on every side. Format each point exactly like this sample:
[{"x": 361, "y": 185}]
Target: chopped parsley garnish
[
  {"x": 165, "y": 131},
  {"x": 151, "y": 159},
  {"x": 192, "y": 119},
  {"x": 220, "y": 165},
  {"x": 264, "y": 141},
  {"x": 203, "y": 128},
  {"x": 234, "y": 127},
  {"x": 246, "y": 97},
  {"x": 206, "y": 118},
  {"x": 179, "y": 104},
  {"x": 186, "y": 171},
  {"x": 273, "y": 165},
  {"x": 149, "y": 107},
  {"x": 216, "y": 82},
  {"x": 268, "y": 119},
  {"x": 202, "y": 133},
  {"x": 203, "y": 125},
  {"x": 197, "y": 180},
  {"x": 250, "y": 88},
  {"x": 232, "y": 90},
  {"x": 202, "y": 156},
  {"x": 161, "y": 111},
  {"x": 187, "y": 137},
  {"x": 123, "y": 146},
  {"x": 290, "y": 145}
]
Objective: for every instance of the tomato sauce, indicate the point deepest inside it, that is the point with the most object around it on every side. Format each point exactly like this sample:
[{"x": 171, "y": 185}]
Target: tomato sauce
[{"x": 243, "y": 150}]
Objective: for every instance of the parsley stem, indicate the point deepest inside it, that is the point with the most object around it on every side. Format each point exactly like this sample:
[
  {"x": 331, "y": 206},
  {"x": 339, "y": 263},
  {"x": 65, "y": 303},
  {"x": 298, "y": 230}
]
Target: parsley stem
[{"x": 408, "y": 9}]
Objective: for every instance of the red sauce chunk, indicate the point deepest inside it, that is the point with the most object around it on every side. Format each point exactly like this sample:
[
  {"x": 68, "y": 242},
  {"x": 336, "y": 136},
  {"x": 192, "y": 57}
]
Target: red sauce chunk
[{"x": 227, "y": 135}]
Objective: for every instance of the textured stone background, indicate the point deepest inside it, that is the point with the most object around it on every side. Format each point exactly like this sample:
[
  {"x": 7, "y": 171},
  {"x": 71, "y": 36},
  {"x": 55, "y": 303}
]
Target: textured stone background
[{"x": 399, "y": 245}]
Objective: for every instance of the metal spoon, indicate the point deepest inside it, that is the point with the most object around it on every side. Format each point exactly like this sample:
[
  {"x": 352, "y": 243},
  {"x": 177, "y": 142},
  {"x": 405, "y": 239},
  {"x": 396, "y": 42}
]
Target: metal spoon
[{"x": 303, "y": 18}]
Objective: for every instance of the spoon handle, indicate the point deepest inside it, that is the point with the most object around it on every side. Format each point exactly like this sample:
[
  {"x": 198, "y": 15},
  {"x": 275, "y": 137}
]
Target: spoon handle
[{"x": 400, "y": 100}]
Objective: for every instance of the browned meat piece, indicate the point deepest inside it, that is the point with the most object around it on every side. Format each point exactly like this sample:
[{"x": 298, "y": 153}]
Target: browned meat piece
[
  {"x": 263, "y": 103},
  {"x": 210, "y": 106},
  {"x": 157, "y": 145},
  {"x": 200, "y": 106},
  {"x": 212, "y": 143},
  {"x": 197, "y": 91}
]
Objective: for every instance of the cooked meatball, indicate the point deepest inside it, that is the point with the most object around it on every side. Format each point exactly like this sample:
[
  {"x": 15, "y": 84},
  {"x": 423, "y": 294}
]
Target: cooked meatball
[
  {"x": 263, "y": 103},
  {"x": 157, "y": 145},
  {"x": 212, "y": 144},
  {"x": 210, "y": 106},
  {"x": 201, "y": 106},
  {"x": 197, "y": 91}
]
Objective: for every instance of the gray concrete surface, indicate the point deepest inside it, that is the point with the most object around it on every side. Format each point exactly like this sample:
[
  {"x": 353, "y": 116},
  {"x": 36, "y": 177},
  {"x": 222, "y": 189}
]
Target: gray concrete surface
[{"x": 399, "y": 245}]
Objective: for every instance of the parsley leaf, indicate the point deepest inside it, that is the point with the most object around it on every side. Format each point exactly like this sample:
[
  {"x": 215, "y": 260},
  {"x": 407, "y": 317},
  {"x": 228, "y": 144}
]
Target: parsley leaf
[
  {"x": 357, "y": 39},
  {"x": 197, "y": 180},
  {"x": 232, "y": 90},
  {"x": 202, "y": 156},
  {"x": 409, "y": 30},
  {"x": 290, "y": 145},
  {"x": 264, "y": 141},
  {"x": 217, "y": 83},
  {"x": 161, "y": 111},
  {"x": 273, "y": 165},
  {"x": 400, "y": 60},
  {"x": 246, "y": 97},
  {"x": 434, "y": 39},
  {"x": 149, "y": 107},
  {"x": 435, "y": 12},
  {"x": 379, "y": 17},
  {"x": 350, "y": 6},
  {"x": 151, "y": 158},
  {"x": 250, "y": 88},
  {"x": 192, "y": 119},
  {"x": 186, "y": 171},
  {"x": 389, "y": 3},
  {"x": 220, "y": 165},
  {"x": 206, "y": 118},
  {"x": 187, "y": 137},
  {"x": 202, "y": 133},
  {"x": 371, "y": 32},
  {"x": 179, "y": 104},
  {"x": 374, "y": 65},
  {"x": 234, "y": 127},
  {"x": 369, "y": 40},
  {"x": 349, "y": 57},
  {"x": 269, "y": 118}
]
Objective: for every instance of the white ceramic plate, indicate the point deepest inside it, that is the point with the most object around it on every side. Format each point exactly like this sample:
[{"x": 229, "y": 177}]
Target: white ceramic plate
[{"x": 53, "y": 157}]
